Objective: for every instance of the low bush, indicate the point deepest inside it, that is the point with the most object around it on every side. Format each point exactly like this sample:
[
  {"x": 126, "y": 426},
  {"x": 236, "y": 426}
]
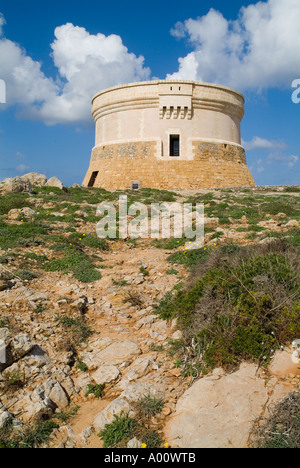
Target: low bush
[
  {"x": 282, "y": 428},
  {"x": 240, "y": 303}
]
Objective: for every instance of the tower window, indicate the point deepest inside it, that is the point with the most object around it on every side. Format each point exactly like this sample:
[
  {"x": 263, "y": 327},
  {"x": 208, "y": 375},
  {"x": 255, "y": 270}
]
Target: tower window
[
  {"x": 174, "y": 145},
  {"x": 93, "y": 179}
]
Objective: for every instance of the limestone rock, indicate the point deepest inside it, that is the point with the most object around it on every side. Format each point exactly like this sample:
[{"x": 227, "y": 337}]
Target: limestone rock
[
  {"x": 283, "y": 364},
  {"x": 134, "y": 444},
  {"x": 58, "y": 396},
  {"x": 5, "y": 417},
  {"x": 134, "y": 392},
  {"x": 114, "y": 354},
  {"x": 39, "y": 180},
  {"x": 55, "y": 182},
  {"x": 139, "y": 368},
  {"x": 14, "y": 185},
  {"x": 218, "y": 412},
  {"x": 106, "y": 416},
  {"x": 21, "y": 345},
  {"x": 16, "y": 213},
  {"x": 106, "y": 374},
  {"x": 211, "y": 222}
]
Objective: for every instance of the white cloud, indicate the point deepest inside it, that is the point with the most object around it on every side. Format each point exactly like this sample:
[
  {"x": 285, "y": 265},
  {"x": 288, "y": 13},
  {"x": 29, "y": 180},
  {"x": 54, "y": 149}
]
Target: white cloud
[
  {"x": 22, "y": 168},
  {"x": 260, "y": 49},
  {"x": 262, "y": 143},
  {"x": 86, "y": 64},
  {"x": 2, "y": 23},
  {"x": 291, "y": 160},
  {"x": 276, "y": 153}
]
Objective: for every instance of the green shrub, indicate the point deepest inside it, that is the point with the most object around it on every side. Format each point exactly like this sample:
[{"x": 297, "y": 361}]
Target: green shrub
[
  {"x": 25, "y": 234},
  {"x": 82, "y": 366},
  {"x": 96, "y": 390},
  {"x": 282, "y": 428},
  {"x": 238, "y": 306},
  {"x": 149, "y": 406},
  {"x": 121, "y": 428}
]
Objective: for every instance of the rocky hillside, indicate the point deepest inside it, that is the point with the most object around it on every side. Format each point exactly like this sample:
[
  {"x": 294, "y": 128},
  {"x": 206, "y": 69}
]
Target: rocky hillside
[{"x": 98, "y": 332}]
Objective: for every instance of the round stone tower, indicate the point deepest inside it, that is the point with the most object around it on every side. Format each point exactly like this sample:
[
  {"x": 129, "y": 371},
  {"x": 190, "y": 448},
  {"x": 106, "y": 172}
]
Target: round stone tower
[{"x": 168, "y": 135}]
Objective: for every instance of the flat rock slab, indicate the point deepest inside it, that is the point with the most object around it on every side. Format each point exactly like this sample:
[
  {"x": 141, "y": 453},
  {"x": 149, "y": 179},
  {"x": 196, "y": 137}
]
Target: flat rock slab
[
  {"x": 118, "y": 352},
  {"x": 106, "y": 374},
  {"x": 218, "y": 411}
]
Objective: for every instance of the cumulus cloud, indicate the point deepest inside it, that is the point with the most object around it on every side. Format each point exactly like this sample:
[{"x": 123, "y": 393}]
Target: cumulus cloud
[
  {"x": 291, "y": 160},
  {"x": 85, "y": 64},
  {"x": 276, "y": 150},
  {"x": 262, "y": 143},
  {"x": 260, "y": 49}
]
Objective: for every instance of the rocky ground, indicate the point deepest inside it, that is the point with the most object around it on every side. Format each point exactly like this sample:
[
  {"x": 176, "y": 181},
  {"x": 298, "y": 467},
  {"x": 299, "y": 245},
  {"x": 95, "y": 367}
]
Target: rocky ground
[{"x": 66, "y": 338}]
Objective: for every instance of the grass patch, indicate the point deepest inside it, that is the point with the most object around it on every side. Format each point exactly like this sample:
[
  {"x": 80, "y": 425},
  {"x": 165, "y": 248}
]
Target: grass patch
[
  {"x": 78, "y": 263},
  {"x": 26, "y": 275},
  {"x": 20, "y": 235},
  {"x": 149, "y": 406},
  {"x": 30, "y": 438},
  {"x": 79, "y": 329},
  {"x": 13, "y": 201}
]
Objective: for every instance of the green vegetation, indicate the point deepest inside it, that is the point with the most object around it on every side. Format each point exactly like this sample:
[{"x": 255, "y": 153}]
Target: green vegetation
[
  {"x": 13, "y": 201},
  {"x": 82, "y": 366},
  {"x": 149, "y": 406},
  {"x": 77, "y": 263},
  {"x": 123, "y": 427},
  {"x": 238, "y": 306},
  {"x": 26, "y": 275},
  {"x": 282, "y": 428},
  {"x": 65, "y": 416},
  {"x": 20, "y": 235},
  {"x": 96, "y": 390},
  {"x": 30, "y": 438},
  {"x": 79, "y": 329}
]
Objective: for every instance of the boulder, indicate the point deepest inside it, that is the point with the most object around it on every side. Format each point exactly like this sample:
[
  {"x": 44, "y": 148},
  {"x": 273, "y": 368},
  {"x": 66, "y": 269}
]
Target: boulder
[
  {"x": 136, "y": 391},
  {"x": 55, "y": 182},
  {"x": 58, "y": 396},
  {"x": 106, "y": 374},
  {"x": 39, "y": 180},
  {"x": 134, "y": 444},
  {"x": 14, "y": 185},
  {"x": 16, "y": 213},
  {"x": 140, "y": 368}
]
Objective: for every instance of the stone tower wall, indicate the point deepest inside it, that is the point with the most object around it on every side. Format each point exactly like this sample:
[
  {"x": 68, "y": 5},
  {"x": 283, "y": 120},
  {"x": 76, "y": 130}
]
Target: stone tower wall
[{"x": 134, "y": 124}]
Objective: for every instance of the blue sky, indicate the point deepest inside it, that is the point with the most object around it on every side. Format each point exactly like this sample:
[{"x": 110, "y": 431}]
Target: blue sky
[{"x": 55, "y": 55}]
